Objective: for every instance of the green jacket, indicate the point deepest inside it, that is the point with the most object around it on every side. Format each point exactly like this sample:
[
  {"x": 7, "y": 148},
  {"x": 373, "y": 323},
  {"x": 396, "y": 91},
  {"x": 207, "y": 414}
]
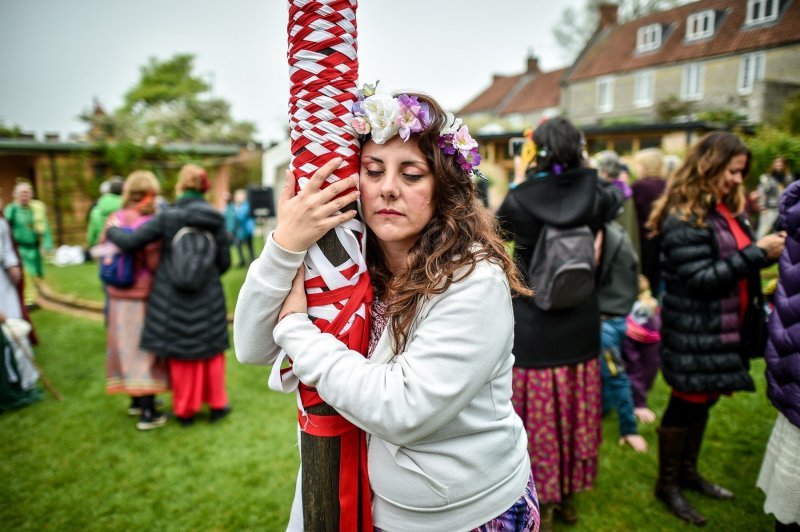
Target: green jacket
[{"x": 107, "y": 204}]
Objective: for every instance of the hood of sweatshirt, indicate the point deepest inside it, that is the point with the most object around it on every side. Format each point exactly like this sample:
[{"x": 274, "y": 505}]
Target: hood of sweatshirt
[{"x": 564, "y": 200}]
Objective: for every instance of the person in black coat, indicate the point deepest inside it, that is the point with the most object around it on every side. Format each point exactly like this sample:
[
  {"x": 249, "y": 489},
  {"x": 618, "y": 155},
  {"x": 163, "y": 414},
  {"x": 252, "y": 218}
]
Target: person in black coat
[
  {"x": 713, "y": 320},
  {"x": 188, "y": 327},
  {"x": 556, "y": 369}
]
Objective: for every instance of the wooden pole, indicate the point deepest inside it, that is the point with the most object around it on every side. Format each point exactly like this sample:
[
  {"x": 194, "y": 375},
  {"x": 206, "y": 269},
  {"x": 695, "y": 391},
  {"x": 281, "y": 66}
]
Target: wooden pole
[{"x": 324, "y": 73}]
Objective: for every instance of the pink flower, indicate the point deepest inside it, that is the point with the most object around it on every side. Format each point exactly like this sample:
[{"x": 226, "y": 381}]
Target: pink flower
[
  {"x": 361, "y": 125},
  {"x": 462, "y": 141}
]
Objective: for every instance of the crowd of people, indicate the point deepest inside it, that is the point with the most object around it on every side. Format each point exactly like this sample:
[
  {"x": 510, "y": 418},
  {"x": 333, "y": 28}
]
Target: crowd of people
[
  {"x": 618, "y": 271},
  {"x": 615, "y": 272}
]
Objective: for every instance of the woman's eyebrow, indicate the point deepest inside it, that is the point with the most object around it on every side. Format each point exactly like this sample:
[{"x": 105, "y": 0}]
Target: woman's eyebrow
[{"x": 377, "y": 160}]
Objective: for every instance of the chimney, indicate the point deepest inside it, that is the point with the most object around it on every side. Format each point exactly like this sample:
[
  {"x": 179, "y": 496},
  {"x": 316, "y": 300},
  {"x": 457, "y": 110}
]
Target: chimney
[
  {"x": 608, "y": 15},
  {"x": 532, "y": 65}
]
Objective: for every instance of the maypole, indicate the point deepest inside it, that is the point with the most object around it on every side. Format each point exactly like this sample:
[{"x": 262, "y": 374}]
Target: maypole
[{"x": 323, "y": 68}]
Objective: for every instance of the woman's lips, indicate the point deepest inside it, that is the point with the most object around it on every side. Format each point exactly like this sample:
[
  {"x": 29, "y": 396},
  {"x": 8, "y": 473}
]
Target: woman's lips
[{"x": 389, "y": 212}]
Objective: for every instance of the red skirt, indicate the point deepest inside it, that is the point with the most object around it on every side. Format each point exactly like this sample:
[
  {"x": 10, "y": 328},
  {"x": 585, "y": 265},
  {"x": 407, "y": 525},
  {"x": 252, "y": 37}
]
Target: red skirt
[{"x": 561, "y": 410}]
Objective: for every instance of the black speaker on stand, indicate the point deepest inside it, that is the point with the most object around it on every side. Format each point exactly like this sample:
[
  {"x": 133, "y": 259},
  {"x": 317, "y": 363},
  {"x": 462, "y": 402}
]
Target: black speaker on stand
[{"x": 262, "y": 206}]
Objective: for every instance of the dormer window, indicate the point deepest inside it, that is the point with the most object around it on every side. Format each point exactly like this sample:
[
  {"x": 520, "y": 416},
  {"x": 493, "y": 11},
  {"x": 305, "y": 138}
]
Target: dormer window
[
  {"x": 759, "y": 11},
  {"x": 700, "y": 25},
  {"x": 648, "y": 38}
]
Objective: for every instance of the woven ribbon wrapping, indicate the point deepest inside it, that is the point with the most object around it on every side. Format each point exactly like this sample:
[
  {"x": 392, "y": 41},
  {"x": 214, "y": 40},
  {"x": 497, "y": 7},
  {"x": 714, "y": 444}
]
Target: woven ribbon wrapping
[{"x": 323, "y": 68}]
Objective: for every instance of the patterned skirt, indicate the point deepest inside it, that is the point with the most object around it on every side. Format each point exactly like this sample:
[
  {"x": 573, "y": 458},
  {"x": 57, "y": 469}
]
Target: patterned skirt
[
  {"x": 129, "y": 369},
  {"x": 561, "y": 410}
]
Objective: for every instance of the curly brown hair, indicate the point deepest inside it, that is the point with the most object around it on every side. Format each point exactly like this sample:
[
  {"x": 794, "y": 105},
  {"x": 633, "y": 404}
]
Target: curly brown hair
[
  {"x": 461, "y": 233},
  {"x": 690, "y": 191}
]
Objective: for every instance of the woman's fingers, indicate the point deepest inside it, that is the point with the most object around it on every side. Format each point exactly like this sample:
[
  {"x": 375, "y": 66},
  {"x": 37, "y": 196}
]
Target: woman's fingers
[
  {"x": 337, "y": 204},
  {"x": 288, "y": 186},
  {"x": 319, "y": 177}
]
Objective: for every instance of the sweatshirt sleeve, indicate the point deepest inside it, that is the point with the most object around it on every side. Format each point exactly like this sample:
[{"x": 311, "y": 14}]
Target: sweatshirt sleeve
[
  {"x": 453, "y": 353},
  {"x": 265, "y": 287}
]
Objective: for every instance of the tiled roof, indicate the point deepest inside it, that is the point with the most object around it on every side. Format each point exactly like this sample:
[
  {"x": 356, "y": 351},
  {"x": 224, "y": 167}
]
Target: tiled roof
[
  {"x": 541, "y": 92},
  {"x": 523, "y": 93},
  {"x": 614, "y": 49},
  {"x": 489, "y": 99}
]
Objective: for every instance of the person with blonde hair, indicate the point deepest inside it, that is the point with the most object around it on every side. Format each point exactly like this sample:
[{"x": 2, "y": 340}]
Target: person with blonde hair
[
  {"x": 770, "y": 187},
  {"x": 186, "y": 319},
  {"x": 649, "y": 185},
  {"x": 130, "y": 369},
  {"x": 713, "y": 307}
]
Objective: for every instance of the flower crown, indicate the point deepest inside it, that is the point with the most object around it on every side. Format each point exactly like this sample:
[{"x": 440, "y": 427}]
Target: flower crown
[{"x": 384, "y": 116}]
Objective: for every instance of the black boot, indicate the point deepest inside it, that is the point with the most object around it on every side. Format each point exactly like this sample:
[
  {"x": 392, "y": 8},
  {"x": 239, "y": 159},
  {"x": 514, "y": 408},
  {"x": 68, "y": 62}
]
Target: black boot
[
  {"x": 670, "y": 449},
  {"x": 690, "y": 478},
  {"x": 566, "y": 511},
  {"x": 136, "y": 407},
  {"x": 150, "y": 417}
]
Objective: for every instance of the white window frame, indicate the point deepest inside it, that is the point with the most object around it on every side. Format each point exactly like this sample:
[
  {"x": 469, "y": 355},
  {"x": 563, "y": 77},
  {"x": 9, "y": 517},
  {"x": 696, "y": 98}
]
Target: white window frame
[
  {"x": 644, "y": 78},
  {"x": 607, "y": 105},
  {"x": 703, "y": 18},
  {"x": 762, "y": 6},
  {"x": 648, "y": 38},
  {"x": 692, "y": 82},
  {"x": 752, "y": 68}
]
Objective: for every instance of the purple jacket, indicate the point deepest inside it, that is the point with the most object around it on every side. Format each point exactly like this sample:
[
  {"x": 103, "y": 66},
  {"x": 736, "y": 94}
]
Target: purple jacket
[{"x": 783, "y": 349}]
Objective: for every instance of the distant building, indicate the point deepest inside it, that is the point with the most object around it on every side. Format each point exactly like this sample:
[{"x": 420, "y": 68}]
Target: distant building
[
  {"x": 741, "y": 56},
  {"x": 657, "y": 81}
]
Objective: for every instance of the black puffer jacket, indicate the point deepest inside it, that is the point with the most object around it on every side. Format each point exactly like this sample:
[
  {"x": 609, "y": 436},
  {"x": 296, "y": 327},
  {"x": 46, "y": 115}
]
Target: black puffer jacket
[
  {"x": 705, "y": 347},
  {"x": 180, "y": 324},
  {"x": 546, "y": 339}
]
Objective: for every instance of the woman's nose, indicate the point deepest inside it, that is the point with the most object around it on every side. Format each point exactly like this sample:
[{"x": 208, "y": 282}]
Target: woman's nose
[{"x": 389, "y": 184}]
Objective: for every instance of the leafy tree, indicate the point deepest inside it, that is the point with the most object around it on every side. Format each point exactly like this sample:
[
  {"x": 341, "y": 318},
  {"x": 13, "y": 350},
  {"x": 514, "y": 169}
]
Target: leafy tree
[
  {"x": 169, "y": 103},
  {"x": 9, "y": 132},
  {"x": 789, "y": 119},
  {"x": 576, "y": 27}
]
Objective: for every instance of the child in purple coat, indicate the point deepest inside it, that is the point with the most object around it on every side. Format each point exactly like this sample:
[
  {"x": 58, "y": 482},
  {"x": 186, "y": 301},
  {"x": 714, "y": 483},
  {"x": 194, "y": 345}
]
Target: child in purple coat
[{"x": 641, "y": 349}]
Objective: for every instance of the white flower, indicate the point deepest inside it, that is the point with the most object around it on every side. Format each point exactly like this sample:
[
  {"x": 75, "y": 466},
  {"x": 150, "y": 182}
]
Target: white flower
[
  {"x": 452, "y": 124},
  {"x": 381, "y": 112}
]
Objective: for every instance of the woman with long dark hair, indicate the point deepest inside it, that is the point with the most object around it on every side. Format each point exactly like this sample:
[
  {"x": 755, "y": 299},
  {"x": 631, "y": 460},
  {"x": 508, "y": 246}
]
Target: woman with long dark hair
[
  {"x": 446, "y": 450},
  {"x": 713, "y": 320},
  {"x": 557, "y": 370}
]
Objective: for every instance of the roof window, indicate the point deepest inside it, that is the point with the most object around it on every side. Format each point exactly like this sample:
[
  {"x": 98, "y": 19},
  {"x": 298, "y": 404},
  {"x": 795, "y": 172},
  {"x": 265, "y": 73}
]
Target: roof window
[
  {"x": 700, "y": 25},
  {"x": 760, "y": 11},
  {"x": 648, "y": 38}
]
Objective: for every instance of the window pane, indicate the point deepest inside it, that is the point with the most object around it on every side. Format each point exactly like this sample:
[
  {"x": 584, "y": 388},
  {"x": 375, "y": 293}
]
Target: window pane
[{"x": 768, "y": 8}]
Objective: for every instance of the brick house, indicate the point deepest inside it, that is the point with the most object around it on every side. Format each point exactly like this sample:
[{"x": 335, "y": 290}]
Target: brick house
[{"x": 741, "y": 55}]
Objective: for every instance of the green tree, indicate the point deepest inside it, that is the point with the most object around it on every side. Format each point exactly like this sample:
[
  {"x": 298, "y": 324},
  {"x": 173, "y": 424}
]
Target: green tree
[
  {"x": 9, "y": 132},
  {"x": 577, "y": 26},
  {"x": 789, "y": 119},
  {"x": 169, "y": 103}
]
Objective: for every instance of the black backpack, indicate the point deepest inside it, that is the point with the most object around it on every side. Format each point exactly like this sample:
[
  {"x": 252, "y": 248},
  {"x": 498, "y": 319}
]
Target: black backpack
[
  {"x": 562, "y": 268},
  {"x": 619, "y": 272},
  {"x": 192, "y": 258}
]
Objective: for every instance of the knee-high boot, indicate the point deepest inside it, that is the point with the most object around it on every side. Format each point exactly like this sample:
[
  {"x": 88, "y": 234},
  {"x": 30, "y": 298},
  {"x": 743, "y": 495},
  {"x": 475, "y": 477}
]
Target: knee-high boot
[
  {"x": 671, "y": 441},
  {"x": 689, "y": 476}
]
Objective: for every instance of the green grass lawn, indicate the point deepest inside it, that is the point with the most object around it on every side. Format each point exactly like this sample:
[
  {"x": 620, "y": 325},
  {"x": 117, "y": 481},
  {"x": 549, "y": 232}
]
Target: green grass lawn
[
  {"x": 81, "y": 465},
  {"x": 82, "y": 280}
]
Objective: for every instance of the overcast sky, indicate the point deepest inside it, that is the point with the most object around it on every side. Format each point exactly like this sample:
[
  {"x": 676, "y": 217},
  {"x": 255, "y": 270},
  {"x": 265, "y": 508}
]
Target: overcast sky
[{"x": 59, "y": 54}]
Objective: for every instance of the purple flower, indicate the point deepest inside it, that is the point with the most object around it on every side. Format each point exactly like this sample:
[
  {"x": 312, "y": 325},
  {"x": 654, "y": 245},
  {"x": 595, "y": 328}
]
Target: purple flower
[
  {"x": 412, "y": 116},
  {"x": 358, "y": 108}
]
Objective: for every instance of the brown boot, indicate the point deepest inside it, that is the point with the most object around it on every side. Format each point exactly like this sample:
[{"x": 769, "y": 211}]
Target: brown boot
[
  {"x": 689, "y": 476},
  {"x": 546, "y": 517},
  {"x": 566, "y": 511},
  {"x": 670, "y": 449}
]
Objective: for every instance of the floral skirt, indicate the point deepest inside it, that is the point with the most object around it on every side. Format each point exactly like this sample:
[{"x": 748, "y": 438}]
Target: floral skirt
[
  {"x": 561, "y": 410},
  {"x": 129, "y": 369}
]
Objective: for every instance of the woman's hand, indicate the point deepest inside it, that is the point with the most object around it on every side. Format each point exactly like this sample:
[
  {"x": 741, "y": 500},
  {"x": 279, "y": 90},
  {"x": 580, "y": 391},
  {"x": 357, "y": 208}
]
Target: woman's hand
[
  {"x": 304, "y": 217},
  {"x": 773, "y": 244},
  {"x": 296, "y": 300},
  {"x": 15, "y": 274}
]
